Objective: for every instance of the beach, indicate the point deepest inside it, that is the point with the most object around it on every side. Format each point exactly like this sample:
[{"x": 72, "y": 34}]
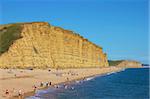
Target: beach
[
  {"x": 130, "y": 83},
  {"x": 16, "y": 80}
]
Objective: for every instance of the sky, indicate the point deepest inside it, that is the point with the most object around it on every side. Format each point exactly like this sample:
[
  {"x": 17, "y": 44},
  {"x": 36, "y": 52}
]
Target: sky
[{"x": 119, "y": 26}]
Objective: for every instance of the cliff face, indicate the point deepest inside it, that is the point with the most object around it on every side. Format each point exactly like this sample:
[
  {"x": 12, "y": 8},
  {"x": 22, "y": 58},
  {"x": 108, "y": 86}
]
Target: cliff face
[{"x": 42, "y": 45}]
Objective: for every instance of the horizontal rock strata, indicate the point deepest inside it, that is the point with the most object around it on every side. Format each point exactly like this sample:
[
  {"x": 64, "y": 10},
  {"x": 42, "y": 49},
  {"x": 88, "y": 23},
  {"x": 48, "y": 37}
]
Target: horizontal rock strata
[{"x": 42, "y": 45}]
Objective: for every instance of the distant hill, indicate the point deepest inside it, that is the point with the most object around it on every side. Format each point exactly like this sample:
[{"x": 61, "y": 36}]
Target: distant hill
[
  {"x": 124, "y": 63},
  {"x": 114, "y": 62}
]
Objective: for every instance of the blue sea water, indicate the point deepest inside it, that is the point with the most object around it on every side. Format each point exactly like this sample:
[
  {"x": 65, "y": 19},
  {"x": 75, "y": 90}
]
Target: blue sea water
[{"x": 127, "y": 84}]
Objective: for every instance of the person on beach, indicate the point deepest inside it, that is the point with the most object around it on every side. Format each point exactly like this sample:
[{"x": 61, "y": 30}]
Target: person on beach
[
  {"x": 49, "y": 70},
  {"x": 56, "y": 86},
  {"x": 7, "y": 92},
  {"x": 34, "y": 88},
  {"x": 66, "y": 86},
  {"x": 84, "y": 78},
  {"x": 20, "y": 94},
  {"x": 41, "y": 85},
  {"x": 67, "y": 79},
  {"x": 47, "y": 84},
  {"x": 50, "y": 83}
]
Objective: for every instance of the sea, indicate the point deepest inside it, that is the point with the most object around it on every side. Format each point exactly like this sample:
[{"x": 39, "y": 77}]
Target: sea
[{"x": 130, "y": 83}]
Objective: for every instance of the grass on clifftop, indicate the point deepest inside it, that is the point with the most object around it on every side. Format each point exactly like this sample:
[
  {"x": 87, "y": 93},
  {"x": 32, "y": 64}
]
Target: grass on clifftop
[
  {"x": 114, "y": 63},
  {"x": 8, "y": 34}
]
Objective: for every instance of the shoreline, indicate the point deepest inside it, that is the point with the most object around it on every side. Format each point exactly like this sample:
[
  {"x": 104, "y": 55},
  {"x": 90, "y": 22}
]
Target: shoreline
[
  {"x": 32, "y": 93},
  {"x": 26, "y": 79}
]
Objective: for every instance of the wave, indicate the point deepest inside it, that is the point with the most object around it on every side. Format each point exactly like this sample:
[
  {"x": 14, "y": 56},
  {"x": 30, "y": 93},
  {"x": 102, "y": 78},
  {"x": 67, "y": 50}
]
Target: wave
[
  {"x": 77, "y": 81},
  {"x": 33, "y": 97},
  {"x": 111, "y": 73},
  {"x": 41, "y": 91},
  {"x": 123, "y": 69},
  {"x": 146, "y": 67},
  {"x": 115, "y": 72},
  {"x": 90, "y": 78},
  {"x": 86, "y": 79}
]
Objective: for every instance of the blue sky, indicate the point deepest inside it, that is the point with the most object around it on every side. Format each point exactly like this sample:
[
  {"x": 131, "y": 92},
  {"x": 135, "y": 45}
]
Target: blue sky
[{"x": 119, "y": 26}]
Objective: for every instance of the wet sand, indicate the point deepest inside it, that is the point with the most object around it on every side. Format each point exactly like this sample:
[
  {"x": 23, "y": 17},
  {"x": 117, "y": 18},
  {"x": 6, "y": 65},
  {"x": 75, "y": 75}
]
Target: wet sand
[{"x": 14, "y": 80}]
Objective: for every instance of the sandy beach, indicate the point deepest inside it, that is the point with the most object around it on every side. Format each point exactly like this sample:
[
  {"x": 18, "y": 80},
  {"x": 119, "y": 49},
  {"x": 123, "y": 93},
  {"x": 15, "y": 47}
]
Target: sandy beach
[{"x": 15, "y": 81}]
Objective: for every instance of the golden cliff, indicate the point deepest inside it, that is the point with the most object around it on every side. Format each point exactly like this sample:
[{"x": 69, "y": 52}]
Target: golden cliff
[{"x": 42, "y": 46}]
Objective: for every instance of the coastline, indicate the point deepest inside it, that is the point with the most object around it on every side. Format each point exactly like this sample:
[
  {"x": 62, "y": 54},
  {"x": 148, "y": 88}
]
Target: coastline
[
  {"x": 83, "y": 73},
  {"x": 67, "y": 82}
]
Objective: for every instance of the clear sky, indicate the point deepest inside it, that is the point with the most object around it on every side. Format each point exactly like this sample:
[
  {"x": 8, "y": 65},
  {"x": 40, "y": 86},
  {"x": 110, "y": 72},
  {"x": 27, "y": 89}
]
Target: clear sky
[{"x": 119, "y": 26}]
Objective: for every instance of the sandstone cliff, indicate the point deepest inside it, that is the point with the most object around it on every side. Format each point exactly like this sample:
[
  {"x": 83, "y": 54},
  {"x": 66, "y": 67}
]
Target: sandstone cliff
[{"x": 40, "y": 45}]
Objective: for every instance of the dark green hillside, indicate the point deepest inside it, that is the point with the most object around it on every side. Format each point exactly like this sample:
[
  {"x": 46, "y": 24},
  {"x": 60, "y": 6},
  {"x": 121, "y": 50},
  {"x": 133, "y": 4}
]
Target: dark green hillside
[
  {"x": 8, "y": 34},
  {"x": 114, "y": 62}
]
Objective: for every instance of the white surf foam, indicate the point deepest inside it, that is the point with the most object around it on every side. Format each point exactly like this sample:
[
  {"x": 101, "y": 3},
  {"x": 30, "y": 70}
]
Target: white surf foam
[
  {"x": 90, "y": 78},
  {"x": 77, "y": 81},
  {"x": 32, "y": 97},
  {"x": 111, "y": 73}
]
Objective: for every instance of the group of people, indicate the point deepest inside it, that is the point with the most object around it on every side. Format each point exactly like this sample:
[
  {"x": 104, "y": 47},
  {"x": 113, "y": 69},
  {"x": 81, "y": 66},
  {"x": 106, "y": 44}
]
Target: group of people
[
  {"x": 42, "y": 84},
  {"x": 9, "y": 93},
  {"x": 45, "y": 84},
  {"x": 20, "y": 93}
]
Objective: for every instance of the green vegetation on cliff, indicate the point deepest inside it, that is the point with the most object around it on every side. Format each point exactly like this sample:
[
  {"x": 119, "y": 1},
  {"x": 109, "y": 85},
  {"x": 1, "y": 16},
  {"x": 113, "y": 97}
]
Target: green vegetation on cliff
[
  {"x": 114, "y": 62},
  {"x": 8, "y": 34}
]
